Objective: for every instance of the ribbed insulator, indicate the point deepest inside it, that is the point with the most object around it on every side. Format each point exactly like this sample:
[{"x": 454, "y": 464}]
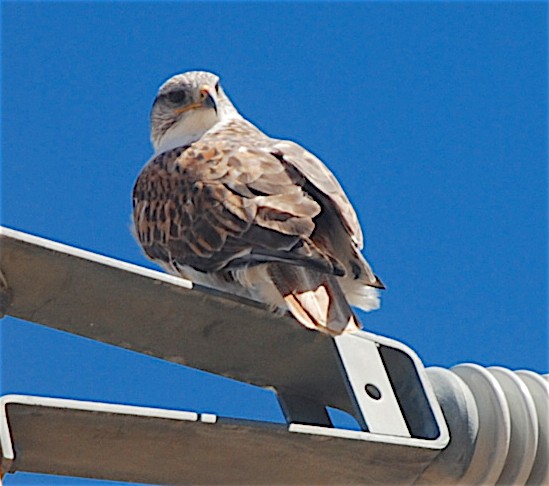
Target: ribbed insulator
[{"x": 499, "y": 427}]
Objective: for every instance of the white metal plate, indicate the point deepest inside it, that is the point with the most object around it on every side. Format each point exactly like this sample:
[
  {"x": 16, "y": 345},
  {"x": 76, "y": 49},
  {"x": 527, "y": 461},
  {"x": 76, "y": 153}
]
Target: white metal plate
[{"x": 364, "y": 367}]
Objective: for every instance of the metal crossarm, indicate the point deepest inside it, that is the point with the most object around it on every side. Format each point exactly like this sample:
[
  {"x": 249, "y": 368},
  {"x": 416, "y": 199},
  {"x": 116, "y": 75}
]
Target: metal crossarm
[
  {"x": 310, "y": 371},
  {"x": 404, "y": 436}
]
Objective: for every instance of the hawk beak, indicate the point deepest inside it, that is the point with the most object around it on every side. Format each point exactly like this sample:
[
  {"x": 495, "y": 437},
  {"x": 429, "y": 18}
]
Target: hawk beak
[{"x": 206, "y": 101}]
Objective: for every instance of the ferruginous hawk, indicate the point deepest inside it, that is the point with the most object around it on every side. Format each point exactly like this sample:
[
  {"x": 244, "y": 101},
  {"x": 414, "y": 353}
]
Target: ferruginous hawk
[{"x": 224, "y": 205}]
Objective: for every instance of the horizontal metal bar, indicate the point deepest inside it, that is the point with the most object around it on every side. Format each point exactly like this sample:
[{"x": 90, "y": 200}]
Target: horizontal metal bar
[
  {"x": 164, "y": 316},
  {"x": 106, "y": 441},
  {"x": 173, "y": 319}
]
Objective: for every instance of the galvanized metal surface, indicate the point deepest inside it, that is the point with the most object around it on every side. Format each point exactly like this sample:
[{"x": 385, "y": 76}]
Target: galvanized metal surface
[
  {"x": 56, "y": 436},
  {"x": 493, "y": 415},
  {"x": 167, "y": 317},
  {"x": 171, "y": 318}
]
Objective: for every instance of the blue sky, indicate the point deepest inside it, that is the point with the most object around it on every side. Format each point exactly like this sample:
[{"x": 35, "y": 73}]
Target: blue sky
[{"x": 432, "y": 115}]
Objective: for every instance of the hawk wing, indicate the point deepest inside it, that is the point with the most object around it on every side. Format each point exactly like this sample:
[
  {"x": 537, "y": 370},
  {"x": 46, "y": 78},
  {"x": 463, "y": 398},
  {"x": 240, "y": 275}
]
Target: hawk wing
[
  {"x": 322, "y": 178},
  {"x": 337, "y": 228},
  {"x": 227, "y": 204},
  {"x": 239, "y": 208}
]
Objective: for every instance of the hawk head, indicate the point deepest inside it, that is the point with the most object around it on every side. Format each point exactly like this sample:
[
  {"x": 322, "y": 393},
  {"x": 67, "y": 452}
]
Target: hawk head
[{"x": 187, "y": 106}]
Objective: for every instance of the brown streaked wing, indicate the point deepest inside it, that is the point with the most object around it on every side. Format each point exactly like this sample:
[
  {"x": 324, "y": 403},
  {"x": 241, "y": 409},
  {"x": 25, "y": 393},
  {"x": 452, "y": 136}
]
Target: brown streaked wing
[
  {"x": 322, "y": 178},
  {"x": 216, "y": 206}
]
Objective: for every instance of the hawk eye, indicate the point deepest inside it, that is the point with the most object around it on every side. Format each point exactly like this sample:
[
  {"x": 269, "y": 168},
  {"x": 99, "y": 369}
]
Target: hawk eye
[{"x": 177, "y": 96}]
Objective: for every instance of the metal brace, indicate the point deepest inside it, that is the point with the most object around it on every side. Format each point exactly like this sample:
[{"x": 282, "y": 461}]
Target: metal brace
[{"x": 387, "y": 387}]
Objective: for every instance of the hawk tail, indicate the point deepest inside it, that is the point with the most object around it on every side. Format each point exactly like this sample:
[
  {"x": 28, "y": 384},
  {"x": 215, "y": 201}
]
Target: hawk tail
[{"x": 315, "y": 299}]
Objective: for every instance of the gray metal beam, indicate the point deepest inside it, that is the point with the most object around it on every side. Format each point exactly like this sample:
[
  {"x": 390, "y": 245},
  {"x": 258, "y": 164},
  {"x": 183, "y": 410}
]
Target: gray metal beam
[
  {"x": 164, "y": 316},
  {"x": 403, "y": 442},
  {"x": 117, "y": 442},
  {"x": 173, "y": 319},
  {"x": 168, "y": 317}
]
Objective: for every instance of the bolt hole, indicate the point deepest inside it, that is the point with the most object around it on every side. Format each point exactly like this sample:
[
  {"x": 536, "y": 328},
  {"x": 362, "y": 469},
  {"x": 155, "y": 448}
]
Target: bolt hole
[{"x": 373, "y": 391}]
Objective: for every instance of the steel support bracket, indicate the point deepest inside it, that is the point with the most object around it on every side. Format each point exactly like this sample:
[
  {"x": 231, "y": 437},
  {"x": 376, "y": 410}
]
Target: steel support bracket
[{"x": 389, "y": 394}]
